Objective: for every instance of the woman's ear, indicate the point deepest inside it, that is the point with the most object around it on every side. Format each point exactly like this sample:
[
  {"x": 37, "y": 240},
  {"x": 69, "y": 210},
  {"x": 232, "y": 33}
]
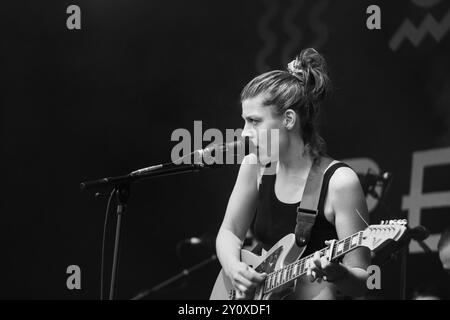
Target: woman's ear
[{"x": 290, "y": 117}]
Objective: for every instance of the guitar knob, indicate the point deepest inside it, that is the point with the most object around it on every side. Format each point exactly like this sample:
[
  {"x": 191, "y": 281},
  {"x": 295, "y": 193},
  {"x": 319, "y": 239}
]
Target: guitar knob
[{"x": 301, "y": 241}]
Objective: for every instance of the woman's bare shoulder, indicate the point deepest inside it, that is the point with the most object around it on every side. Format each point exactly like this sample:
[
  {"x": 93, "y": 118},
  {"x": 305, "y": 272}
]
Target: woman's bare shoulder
[{"x": 342, "y": 179}]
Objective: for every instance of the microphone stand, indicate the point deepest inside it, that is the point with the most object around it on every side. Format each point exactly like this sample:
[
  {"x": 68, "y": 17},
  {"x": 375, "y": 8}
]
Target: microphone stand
[
  {"x": 121, "y": 185},
  {"x": 404, "y": 246},
  {"x": 404, "y": 260},
  {"x": 420, "y": 242},
  {"x": 182, "y": 274},
  {"x": 404, "y": 251},
  {"x": 122, "y": 195}
]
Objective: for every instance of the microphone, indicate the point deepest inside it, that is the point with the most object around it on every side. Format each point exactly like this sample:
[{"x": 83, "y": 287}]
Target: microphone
[
  {"x": 209, "y": 152},
  {"x": 224, "y": 147},
  {"x": 373, "y": 179},
  {"x": 418, "y": 233},
  {"x": 370, "y": 181},
  {"x": 206, "y": 241},
  {"x": 194, "y": 241}
]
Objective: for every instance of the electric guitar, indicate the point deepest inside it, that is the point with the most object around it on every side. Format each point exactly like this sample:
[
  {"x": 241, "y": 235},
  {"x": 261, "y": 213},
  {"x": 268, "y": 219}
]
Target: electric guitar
[{"x": 283, "y": 266}]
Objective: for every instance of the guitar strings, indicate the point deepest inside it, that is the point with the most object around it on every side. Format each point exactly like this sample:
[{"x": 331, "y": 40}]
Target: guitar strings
[{"x": 359, "y": 214}]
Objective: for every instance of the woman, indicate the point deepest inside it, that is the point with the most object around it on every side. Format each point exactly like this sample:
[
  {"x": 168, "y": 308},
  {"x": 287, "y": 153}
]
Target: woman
[{"x": 287, "y": 102}]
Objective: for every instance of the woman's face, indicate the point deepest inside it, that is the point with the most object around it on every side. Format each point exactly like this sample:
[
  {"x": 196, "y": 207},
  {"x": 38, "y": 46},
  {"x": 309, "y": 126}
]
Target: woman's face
[{"x": 264, "y": 128}]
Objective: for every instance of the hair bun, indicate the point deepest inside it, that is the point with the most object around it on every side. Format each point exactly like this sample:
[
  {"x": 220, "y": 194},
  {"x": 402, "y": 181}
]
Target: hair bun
[{"x": 310, "y": 67}]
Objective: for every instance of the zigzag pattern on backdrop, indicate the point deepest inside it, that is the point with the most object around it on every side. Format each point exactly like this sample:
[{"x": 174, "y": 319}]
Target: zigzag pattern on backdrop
[
  {"x": 292, "y": 31},
  {"x": 416, "y": 35},
  {"x": 293, "y": 45},
  {"x": 268, "y": 36}
]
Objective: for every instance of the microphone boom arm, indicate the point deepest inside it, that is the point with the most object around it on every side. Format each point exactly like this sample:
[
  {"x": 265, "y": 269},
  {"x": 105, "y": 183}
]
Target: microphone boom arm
[{"x": 129, "y": 178}]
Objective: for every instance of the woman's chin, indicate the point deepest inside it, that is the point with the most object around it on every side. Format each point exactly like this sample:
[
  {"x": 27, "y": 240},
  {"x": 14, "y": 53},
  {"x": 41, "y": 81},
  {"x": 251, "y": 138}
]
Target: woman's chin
[{"x": 264, "y": 160}]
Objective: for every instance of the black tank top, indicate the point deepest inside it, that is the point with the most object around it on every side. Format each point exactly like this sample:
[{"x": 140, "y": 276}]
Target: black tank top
[{"x": 275, "y": 219}]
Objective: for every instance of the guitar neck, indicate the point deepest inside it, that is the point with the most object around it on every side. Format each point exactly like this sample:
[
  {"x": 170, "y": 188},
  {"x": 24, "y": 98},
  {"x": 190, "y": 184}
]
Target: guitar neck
[{"x": 298, "y": 268}]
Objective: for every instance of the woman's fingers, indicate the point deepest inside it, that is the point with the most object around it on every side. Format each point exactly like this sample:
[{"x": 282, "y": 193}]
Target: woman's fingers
[
  {"x": 241, "y": 280},
  {"x": 254, "y": 276},
  {"x": 245, "y": 281},
  {"x": 316, "y": 259},
  {"x": 240, "y": 295},
  {"x": 311, "y": 271},
  {"x": 324, "y": 263},
  {"x": 243, "y": 289},
  {"x": 316, "y": 265}
]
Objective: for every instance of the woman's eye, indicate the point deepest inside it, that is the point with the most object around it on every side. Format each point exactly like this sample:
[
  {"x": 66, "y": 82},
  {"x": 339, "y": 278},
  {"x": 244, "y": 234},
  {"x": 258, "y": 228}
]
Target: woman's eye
[{"x": 252, "y": 121}]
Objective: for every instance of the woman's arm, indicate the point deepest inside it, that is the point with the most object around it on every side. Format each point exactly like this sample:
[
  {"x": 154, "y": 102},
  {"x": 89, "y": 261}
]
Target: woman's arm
[
  {"x": 238, "y": 216},
  {"x": 346, "y": 197}
]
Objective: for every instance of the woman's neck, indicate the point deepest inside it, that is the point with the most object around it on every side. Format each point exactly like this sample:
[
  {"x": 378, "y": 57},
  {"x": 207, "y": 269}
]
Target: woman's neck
[{"x": 296, "y": 160}]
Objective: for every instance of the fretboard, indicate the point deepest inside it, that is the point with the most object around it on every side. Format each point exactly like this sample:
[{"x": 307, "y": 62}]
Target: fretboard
[{"x": 298, "y": 268}]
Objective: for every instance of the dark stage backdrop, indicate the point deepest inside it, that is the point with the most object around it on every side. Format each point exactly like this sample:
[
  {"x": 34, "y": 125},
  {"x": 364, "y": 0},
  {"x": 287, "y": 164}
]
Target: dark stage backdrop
[{"x": 105, "y": 99}]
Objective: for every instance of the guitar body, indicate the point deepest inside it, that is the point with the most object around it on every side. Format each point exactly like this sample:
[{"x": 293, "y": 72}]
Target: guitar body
[{"x": 281, "y": 254}]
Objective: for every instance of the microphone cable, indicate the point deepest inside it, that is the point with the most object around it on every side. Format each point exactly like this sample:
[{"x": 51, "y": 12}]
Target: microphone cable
[{"x": 104, "y": 241}]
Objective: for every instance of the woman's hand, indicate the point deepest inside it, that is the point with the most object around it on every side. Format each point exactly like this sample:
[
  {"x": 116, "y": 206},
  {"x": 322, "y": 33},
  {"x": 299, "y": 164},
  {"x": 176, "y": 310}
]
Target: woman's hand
[
  {"x": 320, "y": 268},
  {"x": 245, "y": 280}
]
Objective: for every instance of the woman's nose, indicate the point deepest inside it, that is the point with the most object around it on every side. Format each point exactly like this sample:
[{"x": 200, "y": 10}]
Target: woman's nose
[{"x": 246, "y": 132}]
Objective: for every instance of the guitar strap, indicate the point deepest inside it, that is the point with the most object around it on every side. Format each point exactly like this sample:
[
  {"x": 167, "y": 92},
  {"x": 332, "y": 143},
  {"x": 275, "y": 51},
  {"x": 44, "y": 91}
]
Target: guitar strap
[{"x": 308, "y": 208}]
